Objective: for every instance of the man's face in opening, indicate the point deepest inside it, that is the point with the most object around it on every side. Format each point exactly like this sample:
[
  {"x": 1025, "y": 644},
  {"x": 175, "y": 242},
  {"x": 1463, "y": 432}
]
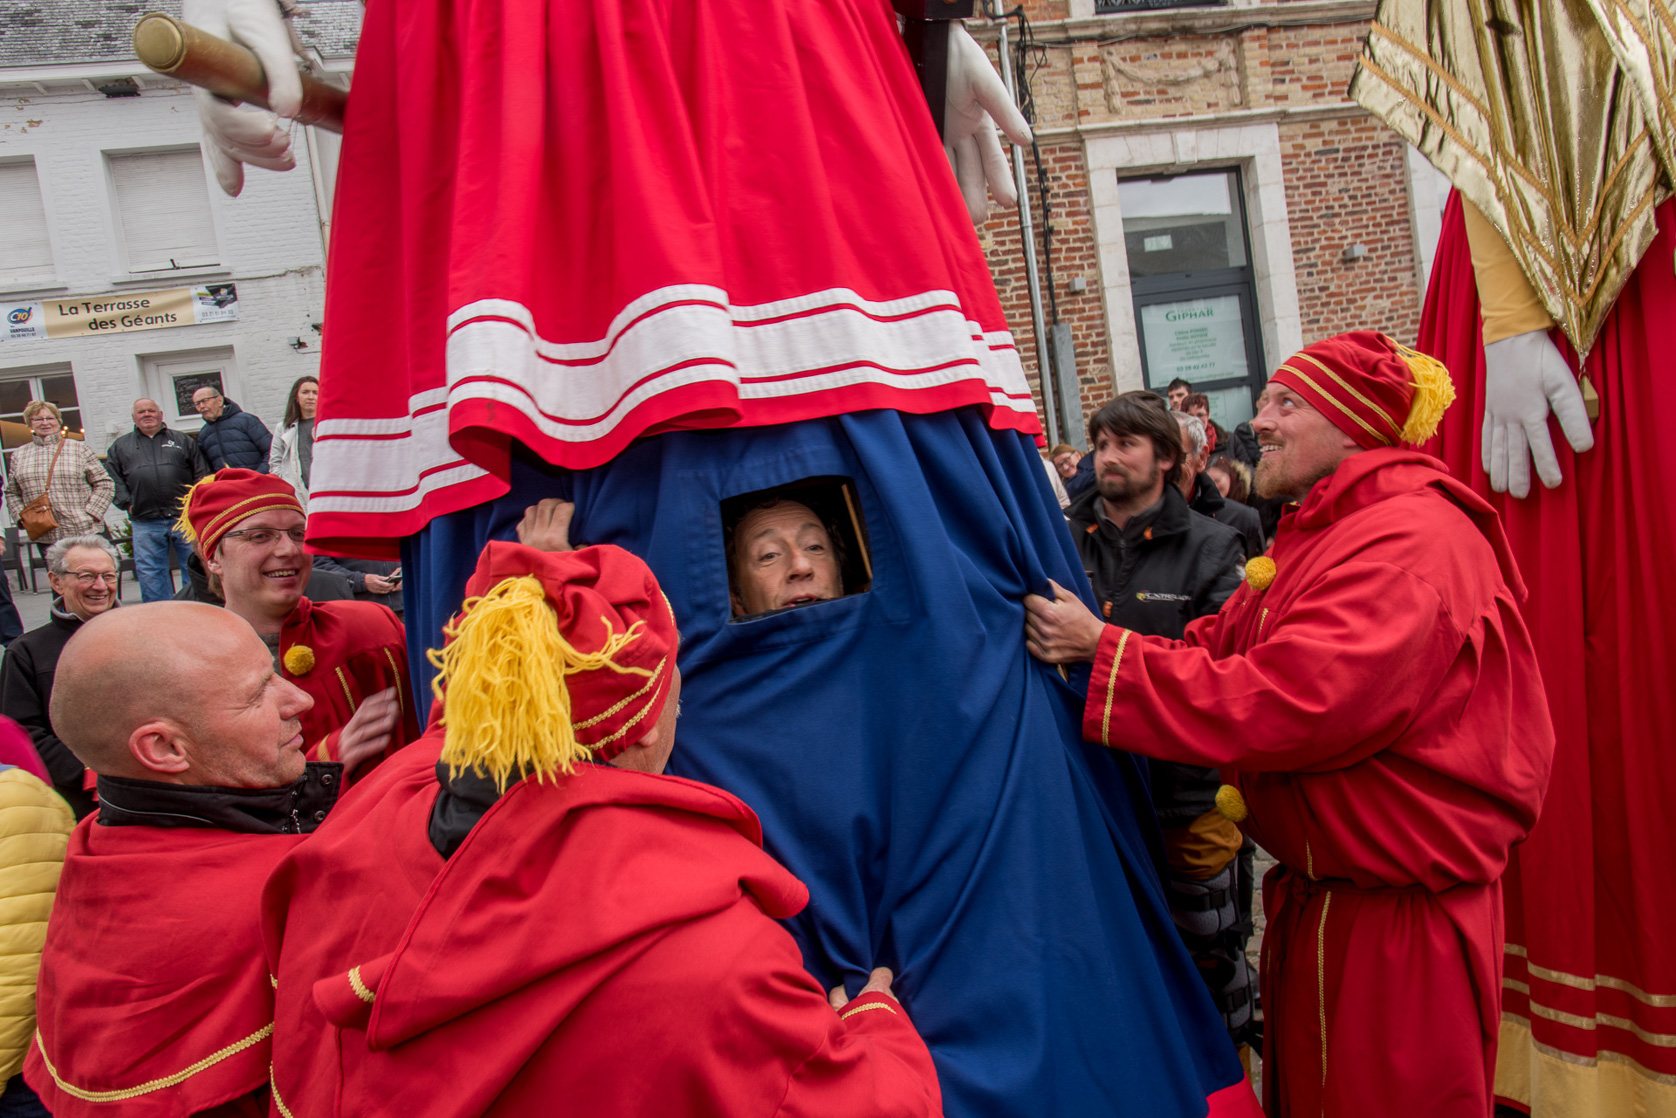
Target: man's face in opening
[
  {"x": 208, "y": 403},
  {"x": 247, "y": 732},
  {"x": 148, "y": 417},
  {"x": 783, "y": 557},
  {"x": 1300, "y": 446},
  {"x": 1176, "y": 395},
  {"x": 1066, "y": 463},
  {"x": 88, "y": 584},
  {"x": 262, "y": 568},
  {"x": 1126, "y": 468}
]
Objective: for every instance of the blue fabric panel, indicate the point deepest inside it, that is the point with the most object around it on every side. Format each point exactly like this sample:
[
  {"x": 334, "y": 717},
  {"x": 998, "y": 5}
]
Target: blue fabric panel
[{"x": 911, "y": 763}]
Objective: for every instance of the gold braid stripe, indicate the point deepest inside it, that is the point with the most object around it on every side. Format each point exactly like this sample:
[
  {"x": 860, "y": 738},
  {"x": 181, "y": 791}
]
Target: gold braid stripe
[
  {"x": 348, "y": 695},
  {"x": 148, "y": 1087},
  {"x": 1328, "y": 396},
  {"x": 279, "y": 1103},
  {"x": 1321, "y": 979},
  {"x": 1111, "y": 689},
  {"x": 1379, "y": 30},
  {"x": 848, "y": 1013},
  {"x": 603, "y": 715},
  {"x": 359, "y": 986},
  {"x": 638, "y": 715},
  {"x": 1396, "y": 428},
  {"x": 396, "y": 680},
  {"x": 1261, "y": 621}
]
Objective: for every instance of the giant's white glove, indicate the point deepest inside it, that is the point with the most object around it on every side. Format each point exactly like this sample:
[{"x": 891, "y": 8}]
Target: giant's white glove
[
  {"x": 240, "y": 134},
  {"x": 975, "y": 100},
  {"x": 1525, "y": 376}
]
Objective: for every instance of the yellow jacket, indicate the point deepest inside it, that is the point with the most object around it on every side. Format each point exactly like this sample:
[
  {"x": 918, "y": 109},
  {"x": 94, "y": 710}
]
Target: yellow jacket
[{"x": 35, "y": 826}]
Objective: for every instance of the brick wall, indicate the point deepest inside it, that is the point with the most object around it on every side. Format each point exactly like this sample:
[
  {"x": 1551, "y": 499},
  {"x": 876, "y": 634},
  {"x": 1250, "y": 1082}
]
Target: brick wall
[{"x": 1347, "y": 183}]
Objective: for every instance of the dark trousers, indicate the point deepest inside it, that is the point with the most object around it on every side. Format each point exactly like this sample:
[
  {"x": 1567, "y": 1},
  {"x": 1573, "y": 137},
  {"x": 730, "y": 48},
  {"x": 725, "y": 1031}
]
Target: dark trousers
[
  {"x": 20, "y": 1101},
  {"x": 11, "y": 626}
]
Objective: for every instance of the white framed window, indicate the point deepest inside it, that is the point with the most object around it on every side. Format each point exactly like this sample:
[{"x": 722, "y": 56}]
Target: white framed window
[
  {"x": 162, "y": 208},
  {"x": 56, "y": 384},
  {"x": 172, "y": 378},
  {"x": 23, "y": 223}
]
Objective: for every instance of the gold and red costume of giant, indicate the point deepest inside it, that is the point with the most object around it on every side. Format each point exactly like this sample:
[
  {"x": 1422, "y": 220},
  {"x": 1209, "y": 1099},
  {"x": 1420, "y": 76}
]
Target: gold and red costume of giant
[
  {"x": 338, "y": 652},
  {"x": 1391, "y": 741},
  {"x": 603, "y": 941}
]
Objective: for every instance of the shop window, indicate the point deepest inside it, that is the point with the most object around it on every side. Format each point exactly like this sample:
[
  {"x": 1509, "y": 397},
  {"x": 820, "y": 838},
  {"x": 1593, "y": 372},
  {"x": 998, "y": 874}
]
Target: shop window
[
  {"x": 163, "y": 210},
  {"x": 795, "y": 545},
  {"x": 52, "y": 383},
  {"x": 1194, "y": 288}
]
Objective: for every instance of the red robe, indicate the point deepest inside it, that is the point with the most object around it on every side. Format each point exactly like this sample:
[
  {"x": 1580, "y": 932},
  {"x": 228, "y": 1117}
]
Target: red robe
[
  {"x": 600, "y": 946},
  {"x": 153, "y": 999},
  {"x": 1590, "y": 1024},
  {"x": 1380, "y": 708},
  {"x": 360, "y": 649}
]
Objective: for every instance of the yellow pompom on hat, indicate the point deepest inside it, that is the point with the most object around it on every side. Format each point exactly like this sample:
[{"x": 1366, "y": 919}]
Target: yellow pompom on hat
[
  {"x": 555, "y": 658},
  {"x": 1373, "y": 388}
]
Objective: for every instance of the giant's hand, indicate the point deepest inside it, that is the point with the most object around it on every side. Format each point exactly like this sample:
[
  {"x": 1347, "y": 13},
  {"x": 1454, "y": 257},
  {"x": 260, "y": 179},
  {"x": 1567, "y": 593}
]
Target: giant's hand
[
  {"x": 240, "y": 134},
  {"x": 1525, "y": 377},
  {"x": 1062, "y": 631},
  {"x": 975, "y": 101}
]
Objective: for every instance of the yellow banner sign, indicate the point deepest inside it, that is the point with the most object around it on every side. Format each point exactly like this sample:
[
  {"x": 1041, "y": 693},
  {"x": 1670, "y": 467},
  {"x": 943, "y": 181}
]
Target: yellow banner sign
[{"x": 84, "y": 315}]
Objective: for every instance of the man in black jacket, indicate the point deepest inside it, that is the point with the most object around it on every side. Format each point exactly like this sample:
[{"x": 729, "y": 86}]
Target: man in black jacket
[
  {"x": 1202, "y": 495},
  {"x": 153, "y": 467},
  {"x": 82, "y": 570},
  {"x": 231, "y": 436},
  {"x": 1157, "y": 565}
]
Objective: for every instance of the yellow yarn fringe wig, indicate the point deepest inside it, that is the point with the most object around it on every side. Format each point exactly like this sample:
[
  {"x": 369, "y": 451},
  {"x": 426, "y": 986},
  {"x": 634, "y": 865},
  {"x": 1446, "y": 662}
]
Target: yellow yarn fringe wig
[{"x": 502, "y": 681}]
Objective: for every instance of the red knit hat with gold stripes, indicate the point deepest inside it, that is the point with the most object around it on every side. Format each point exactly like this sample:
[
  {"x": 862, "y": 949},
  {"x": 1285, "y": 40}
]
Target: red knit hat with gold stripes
[
  {"x": 216, "y": 503},
  {"x": 1373, "y": 388}
]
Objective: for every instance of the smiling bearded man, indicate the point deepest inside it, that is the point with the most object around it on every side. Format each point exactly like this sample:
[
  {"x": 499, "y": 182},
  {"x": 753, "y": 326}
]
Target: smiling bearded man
[
  {"x": 1372, "y": 697},
  {"x": 351, "y": 657}
]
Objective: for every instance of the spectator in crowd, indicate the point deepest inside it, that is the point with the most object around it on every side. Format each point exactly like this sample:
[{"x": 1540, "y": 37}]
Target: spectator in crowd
[
  {"x": 466, "y": 896},
  {"x": 292, "y": 453},
  {"x": 1199, "y": 404},
  {"x": 152, "y": 468},
  {"x": 35, "y": 828},
  {"x": 1242, "y": 444},
  {"x": 1231, "y": 478},
  {"x": 1056, "y": 483},
  {"x": 65, "y": 469},
  {"x": 11, "y": 623},
  {"x": 152, "y": 979},
  {"x": 1157, "y": 565},
  {"x": 370, "y": 580},
  {"x": 83, "y": 573},
  {"x": 1203, "y": 497},
  {"x": 230, "y": 435},
  {"x": 1177, "y": 393},
  {"x": 1065, "y": 458},
  {"x": 350, "y": 657}
]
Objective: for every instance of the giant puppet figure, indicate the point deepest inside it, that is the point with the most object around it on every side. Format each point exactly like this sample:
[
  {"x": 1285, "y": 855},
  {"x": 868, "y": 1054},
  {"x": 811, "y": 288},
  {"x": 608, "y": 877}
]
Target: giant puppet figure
[
  {"x": 1553, "y": 290},
  {"x": 655, "y": 257}
]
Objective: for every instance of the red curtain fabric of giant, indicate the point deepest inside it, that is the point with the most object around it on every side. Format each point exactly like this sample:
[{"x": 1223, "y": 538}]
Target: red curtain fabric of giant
[{"x": 1589, "y": 997}]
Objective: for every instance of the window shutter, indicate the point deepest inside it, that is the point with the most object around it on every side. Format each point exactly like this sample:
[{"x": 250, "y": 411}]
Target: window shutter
[
  {"x": 24, "y": 246},
  {"x": 164, "y": 208}
]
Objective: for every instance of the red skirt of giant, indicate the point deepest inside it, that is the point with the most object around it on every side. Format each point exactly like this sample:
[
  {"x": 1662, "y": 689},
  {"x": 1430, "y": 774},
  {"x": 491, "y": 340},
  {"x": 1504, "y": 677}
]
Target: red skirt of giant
[
  {"x": 659, "y": 216},
  {"x": 1589, "y": 998}
]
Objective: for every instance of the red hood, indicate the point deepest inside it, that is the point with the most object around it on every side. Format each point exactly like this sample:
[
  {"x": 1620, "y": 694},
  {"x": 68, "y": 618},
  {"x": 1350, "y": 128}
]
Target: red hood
[
  {"x": 551, "y": 883},
  {"x": 1377, "y": 475}
]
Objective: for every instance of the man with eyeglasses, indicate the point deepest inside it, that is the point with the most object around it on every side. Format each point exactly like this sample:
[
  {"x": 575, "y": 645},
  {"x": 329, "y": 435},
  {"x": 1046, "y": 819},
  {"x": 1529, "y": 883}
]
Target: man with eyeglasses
[
  {"x": 351, "y": 657},
  {"x": 83, "y": 574}
]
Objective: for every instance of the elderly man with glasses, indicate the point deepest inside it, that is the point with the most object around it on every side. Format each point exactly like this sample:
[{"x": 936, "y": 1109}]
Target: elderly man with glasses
[
  {"x": 83, "y": 573},
  {"x": 351, "y": 657}
]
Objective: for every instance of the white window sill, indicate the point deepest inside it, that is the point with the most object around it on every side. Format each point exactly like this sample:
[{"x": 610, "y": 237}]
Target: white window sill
[
  {"x": 181, "y": 278},
  {"x": 26, "y": 290}
]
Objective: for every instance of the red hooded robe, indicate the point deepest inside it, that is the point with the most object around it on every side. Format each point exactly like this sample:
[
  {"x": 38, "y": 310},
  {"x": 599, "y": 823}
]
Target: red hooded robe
[
  {"x": 357, "y": 649},
  {"x": 153, "y": 999},
  {"x": 1380, "y": 709},
  {"x": 603, "y": 945}
]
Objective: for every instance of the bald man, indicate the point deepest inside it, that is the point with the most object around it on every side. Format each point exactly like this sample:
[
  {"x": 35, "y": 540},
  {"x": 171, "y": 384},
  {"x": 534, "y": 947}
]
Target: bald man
[
  {"x": 152, "y": 981},
  {"x": 153, "y": 467}
]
